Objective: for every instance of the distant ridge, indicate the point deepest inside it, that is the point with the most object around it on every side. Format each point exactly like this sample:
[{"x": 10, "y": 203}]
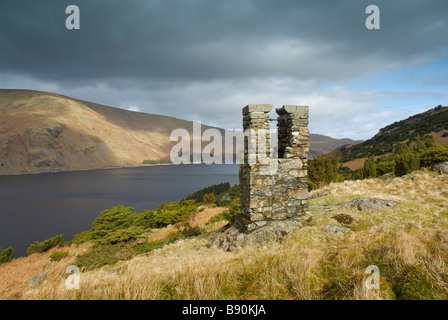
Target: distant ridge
[
  {"x": 47, "y": 132},
  {"x": 433, "y": 122}
]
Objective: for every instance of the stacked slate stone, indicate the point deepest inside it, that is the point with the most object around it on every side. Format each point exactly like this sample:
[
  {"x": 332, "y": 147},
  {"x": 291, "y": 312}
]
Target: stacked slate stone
[
  {"x": 255, "y": 121},
  {"x": 279, "y": 199}
]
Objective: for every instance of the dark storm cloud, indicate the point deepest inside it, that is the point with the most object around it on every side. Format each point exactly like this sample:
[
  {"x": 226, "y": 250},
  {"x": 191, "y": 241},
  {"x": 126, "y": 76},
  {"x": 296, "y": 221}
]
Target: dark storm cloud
[
  {"x": 202, "y": 40},
  {"x": 205, "y": 59}
]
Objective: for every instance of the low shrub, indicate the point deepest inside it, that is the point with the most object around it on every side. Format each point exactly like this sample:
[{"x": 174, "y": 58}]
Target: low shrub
[
  {"x": 121, "y": 235},
  {"x": 434, "y": 155},
  {"x": 208, "y": 198},
  {"x": 58, "y": 255},
  {"x": 148, "y": 246},
  {"x": 229, "y": 214},
  {"x": 103, "y": 255},
  {"x": 406, "y": 162},
  {"x": 45, "y": 245},
  {"x": 82, "y": 237},
  {"x": 6, "y": 255}
]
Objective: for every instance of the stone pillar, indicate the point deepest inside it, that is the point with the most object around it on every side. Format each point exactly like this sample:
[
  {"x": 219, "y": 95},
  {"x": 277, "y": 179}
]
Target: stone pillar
[
  {"x": 278, "y": 199},
  {"x": 293, "y": 141},
  {"x": 255, "y": 117}
]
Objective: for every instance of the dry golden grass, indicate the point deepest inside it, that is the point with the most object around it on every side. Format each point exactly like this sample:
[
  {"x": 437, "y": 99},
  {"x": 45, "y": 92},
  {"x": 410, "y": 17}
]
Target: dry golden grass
[
  {"x": 438, "y": 139},
  {"x": 408, "y": 243},
  {"x": 355, "y": 164}
]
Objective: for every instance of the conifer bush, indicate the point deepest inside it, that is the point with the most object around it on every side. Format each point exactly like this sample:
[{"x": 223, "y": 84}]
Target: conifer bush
[
  {"x": 6, "y": 255},
  {"x": 45, "y": 245}
]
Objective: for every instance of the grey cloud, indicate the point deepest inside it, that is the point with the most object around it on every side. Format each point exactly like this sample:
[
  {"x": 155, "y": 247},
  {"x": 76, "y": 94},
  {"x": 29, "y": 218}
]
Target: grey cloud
[
  {"x": 203, "y": 40},
  {"x": 205, "y": 59}
]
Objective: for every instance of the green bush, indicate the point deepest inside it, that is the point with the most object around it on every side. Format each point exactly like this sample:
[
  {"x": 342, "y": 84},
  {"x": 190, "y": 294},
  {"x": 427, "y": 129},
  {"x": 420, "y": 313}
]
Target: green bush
[
  {"x": 208, "y": 198},
  {"x": 312, "y": 185},
  {"x": 58, "y": 255},
  {"x": 216, "y": 189},
  {"x": 226, "y": 197},
  {"x": 113, "y": 226},
  {"x": 145, "y": 219},
  {"x": 119, "y": 224},
  {"x": 406, "y": 162},
  {"x": 111, "y": 220},
  {"x": 174, "y": 212},
  {"x": 6, "y": 255},
  {"x": 192, "y": 232},
  {"x": 148, "y": 247},
  {"x": 323, "y": 169},
  {"x": 45, "y": 245},
  {"x": 385, "y": 166},
  {"x": 228, "y": 214},
  {"x": 369, "y": 170},
  {"x": 434, "y": 155},
  {"x": 121, "y": 235},
  {"x": 82, "y": 237},
  {"x": 102, "y": 255}
]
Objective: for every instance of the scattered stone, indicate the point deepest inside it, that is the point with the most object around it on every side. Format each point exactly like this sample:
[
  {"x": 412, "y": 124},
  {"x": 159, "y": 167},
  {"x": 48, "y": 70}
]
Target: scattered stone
[
  {"x": 368, "y": 204},
  {"x": 320, "y": 194},
  {"x": 335, "y": 229},
  {"x": 322, "y": 209},
  {"x": 441, "y": 168},
  {"x": 35, "y": 281}
]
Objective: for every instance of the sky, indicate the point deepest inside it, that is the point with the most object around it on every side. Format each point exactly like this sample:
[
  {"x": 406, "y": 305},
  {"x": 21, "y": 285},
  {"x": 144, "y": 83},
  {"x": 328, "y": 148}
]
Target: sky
[{"x": 204, "y": 60}]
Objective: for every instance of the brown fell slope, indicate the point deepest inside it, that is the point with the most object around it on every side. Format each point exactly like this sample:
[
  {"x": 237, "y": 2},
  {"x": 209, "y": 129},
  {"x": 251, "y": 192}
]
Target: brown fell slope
[
  {"x": 47, "y": 132},
  {"x": 43, "y": 132}
]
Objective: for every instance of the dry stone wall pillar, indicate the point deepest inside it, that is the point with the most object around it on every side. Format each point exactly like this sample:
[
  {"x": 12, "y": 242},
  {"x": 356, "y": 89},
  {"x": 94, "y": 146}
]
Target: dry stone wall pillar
[{"x": 277, "y": 199}]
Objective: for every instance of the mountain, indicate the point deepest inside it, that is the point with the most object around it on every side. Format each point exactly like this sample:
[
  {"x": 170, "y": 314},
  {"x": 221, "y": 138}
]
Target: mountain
[
  {"x": 43, "y": 132},
  {"x": 321, "y": 144},
  {"x": 47, "y": 132},
  {"x": 431, "y": 123}
]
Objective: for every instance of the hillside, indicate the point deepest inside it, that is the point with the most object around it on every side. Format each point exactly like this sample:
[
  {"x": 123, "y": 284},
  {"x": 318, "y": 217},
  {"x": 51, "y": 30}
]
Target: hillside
[
  {"x": 43, "y": 132},
  {"x": 46, "y": 132},
  {"x": 321, "y": 144},
  {"x": 407, "y": 240},
  {"x": 433, "y": 122}
]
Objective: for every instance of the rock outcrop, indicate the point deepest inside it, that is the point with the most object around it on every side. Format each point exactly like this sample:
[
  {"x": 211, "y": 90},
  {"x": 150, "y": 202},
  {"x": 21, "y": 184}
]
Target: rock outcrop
[
  {"x": 369, "y": 204},
  {"x": 441, "y": 168}
]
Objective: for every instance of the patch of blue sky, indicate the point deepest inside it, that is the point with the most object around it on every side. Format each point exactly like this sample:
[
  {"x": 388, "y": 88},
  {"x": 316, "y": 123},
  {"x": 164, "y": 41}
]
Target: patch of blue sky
[{"x": 430, "y": 77}]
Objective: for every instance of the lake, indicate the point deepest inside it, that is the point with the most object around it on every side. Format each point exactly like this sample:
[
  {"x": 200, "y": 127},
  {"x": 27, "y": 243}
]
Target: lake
[{"x": 38, "y": 206}]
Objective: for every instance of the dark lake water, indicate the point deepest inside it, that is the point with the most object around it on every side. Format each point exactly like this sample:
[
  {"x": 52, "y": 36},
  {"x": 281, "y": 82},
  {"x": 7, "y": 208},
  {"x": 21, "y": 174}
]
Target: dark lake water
[{"x": 39, "y": 206}]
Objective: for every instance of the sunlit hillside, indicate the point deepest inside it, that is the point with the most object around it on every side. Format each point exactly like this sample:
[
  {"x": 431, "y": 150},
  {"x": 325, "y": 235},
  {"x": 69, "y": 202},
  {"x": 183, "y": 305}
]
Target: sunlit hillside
[{"x": 407, "y": 241}]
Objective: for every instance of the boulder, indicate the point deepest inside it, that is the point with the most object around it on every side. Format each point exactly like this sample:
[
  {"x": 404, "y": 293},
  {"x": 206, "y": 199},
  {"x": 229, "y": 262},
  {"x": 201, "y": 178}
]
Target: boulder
[
  {"x": 335, "y": 229},
  {"x": 441, "y": 168},
  {"x": 35, "y": 281},
  {"x": 233, "y": 239},
  {"x": 320, "y": 194}
]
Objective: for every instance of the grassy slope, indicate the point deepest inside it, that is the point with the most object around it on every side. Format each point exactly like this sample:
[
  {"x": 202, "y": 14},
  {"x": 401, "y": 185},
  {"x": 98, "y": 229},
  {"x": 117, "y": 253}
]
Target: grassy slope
[
  {"x": 432, "y": 122},
  {"x": 409, "y": 244}
]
